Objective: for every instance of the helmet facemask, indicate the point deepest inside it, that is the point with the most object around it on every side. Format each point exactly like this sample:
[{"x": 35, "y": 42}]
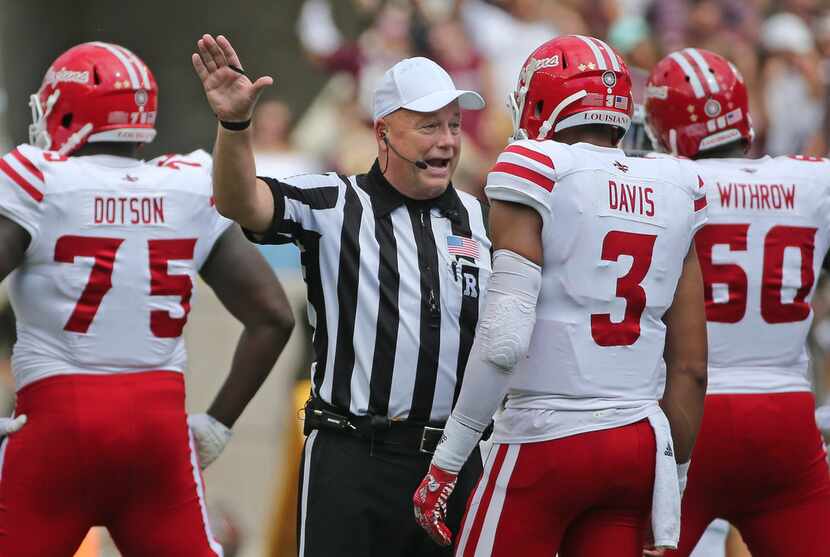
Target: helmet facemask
[{"x": 38, "y": 135}]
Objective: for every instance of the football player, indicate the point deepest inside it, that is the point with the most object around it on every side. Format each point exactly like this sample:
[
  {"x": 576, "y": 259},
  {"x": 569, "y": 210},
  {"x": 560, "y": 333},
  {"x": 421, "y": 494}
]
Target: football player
[
  {"x": 759, "y": 461},
  {"x": 595, "y": 281},
  {"x": 106, "y": 249}
]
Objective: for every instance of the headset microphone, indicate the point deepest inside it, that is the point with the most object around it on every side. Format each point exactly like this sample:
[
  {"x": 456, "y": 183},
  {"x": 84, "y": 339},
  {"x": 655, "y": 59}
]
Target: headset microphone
[{"x": 420, "y": 164}]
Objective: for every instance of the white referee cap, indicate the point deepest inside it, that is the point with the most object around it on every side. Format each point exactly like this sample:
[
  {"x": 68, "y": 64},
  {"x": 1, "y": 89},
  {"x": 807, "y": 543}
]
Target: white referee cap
[{"x": 420, "y": 85}]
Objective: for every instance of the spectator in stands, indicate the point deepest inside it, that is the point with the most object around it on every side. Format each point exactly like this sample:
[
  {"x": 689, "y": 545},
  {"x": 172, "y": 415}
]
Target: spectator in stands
[
  {"x": 505, "y": 34},
  {"x": 794, "y": 86},
  {"x": 274, "y": 153},
  {"x": 631, "y": 37},
  {"x": 386, "y": 41}
]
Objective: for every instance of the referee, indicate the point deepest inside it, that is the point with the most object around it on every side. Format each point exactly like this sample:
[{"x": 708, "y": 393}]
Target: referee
[{"x": 395, "y": 262}]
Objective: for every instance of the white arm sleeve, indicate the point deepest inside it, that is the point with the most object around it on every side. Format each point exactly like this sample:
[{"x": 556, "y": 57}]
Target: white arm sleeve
[{"x": 502, "y": 339}]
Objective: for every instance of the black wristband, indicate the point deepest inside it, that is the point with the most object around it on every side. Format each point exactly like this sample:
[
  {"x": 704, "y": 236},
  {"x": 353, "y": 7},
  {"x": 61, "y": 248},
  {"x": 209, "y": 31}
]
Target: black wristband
[{"x": 235, "y": 126}]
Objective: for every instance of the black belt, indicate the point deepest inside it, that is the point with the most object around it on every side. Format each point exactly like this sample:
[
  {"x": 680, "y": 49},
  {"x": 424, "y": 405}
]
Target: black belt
[{"x": 377, "y": 429}]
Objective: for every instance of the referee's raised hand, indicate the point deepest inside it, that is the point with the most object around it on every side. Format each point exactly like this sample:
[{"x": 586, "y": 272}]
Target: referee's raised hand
[{"x": 229, "y": 92}]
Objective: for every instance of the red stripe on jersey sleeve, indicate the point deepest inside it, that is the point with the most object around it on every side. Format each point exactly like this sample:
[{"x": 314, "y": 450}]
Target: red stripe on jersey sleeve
[
  {"x": 700, "y": 182},
  {"x": 21, "y": 181},
  {"x": 700, "y": 203},
  {"x": 525, "y": 173},
  {"x": 531, "y": 154},
  {"x": 28, "y": 164}
]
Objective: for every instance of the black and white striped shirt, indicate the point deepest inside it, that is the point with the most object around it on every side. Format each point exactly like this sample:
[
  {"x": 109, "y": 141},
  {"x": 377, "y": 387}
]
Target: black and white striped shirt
[{"x": 394, "y": 289}]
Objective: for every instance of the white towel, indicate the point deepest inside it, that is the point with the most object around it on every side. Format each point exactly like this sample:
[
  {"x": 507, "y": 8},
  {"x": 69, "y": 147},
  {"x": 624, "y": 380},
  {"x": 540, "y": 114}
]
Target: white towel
[{"x": 665, "y": 503}]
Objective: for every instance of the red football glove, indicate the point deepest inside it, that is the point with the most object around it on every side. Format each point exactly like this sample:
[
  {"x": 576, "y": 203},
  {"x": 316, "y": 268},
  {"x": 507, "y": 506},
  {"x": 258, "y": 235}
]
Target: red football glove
[{"x": 431, "y": 503}]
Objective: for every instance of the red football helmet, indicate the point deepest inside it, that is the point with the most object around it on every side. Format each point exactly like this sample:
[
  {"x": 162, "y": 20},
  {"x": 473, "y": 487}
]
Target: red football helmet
[
  {"x": 94, "y": 92},
  {"x": 571, "y": 81},
  {"x": 696, "y": 100}
]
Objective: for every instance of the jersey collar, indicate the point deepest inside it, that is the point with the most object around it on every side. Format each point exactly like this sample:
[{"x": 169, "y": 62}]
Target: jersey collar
[
  {"x": 112, "y": 161},
  {"x": 616, "y": 151},
  {"x": 385, "y": 198},
  {"x": 735, "y": 160}
]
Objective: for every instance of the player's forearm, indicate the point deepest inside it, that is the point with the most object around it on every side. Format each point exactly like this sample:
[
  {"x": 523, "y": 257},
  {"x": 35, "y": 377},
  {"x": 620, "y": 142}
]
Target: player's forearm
[
  {"x": 686, "y": 359},
  {"x": 502, "y": 341},
  {"x": 256, "y": 353},
  {"x": 234, "y": 177},
  {"x": 683, "y": 405},
  {"x": 485, "y": 386}
]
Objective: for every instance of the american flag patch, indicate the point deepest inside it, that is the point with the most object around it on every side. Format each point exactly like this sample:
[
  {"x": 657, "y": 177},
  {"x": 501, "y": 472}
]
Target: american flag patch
[
  {"x": 616, "y": 101},
  {"x": 734, "y": 116},
  {"x": 458, "y": 245}
]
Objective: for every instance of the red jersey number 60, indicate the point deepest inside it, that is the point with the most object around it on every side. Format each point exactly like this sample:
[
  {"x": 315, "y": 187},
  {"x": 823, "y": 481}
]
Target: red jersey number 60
[{"x": 777, "y": 240}]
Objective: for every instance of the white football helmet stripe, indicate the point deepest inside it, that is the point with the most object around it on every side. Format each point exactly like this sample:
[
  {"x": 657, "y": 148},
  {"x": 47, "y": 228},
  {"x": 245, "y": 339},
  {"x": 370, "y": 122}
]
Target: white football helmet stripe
[
  {"x": 134, "y": 82},
  {"x": 597, "y": 54},
  {"x": 615, "y": 64},
  {"x": 705, "y": 70},
  {"x": 694, "y": 80},
  {"x": 145, "y": 77}
]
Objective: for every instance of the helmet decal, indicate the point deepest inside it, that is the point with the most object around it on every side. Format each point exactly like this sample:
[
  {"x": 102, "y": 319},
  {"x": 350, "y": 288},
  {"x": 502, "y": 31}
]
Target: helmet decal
[
  {"x": 572, "y": 80},
  {"x": 696, "y": 100},
  {"x": 94, "y": 92}
]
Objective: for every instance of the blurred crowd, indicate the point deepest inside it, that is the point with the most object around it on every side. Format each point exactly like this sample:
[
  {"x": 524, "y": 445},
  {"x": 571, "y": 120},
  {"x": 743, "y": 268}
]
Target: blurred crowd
[{"x": 782, "y": 47}]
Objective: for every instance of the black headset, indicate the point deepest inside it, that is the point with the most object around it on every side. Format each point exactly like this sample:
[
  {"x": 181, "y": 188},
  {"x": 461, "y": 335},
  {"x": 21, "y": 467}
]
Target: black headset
[{"x": 419, "y": 164}]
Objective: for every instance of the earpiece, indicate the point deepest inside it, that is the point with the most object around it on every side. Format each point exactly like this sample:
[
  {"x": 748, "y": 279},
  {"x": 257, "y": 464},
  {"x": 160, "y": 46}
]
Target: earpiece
[{"x": 419, "y": 164}]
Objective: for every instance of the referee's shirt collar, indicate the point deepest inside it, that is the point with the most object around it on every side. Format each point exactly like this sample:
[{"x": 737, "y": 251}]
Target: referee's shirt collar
[{"x": 386, "y": 198}]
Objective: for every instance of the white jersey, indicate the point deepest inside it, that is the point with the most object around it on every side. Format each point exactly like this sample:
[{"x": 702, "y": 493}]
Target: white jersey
[
  {"x": 616, "y": 231},
  {"x": 761, "y": 254},
  {"x": 106, "y": 283}
]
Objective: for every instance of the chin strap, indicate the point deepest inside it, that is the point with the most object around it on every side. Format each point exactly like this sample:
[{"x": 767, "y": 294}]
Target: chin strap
[
  {"x": 75, "y": 140},
  {"x": 673, "y": 141},
  {"x": 567, "y": 101}
]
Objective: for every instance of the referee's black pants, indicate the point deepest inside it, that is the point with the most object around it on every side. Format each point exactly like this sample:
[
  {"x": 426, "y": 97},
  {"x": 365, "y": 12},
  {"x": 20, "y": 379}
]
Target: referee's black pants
[{"x": 355, "y": 499}]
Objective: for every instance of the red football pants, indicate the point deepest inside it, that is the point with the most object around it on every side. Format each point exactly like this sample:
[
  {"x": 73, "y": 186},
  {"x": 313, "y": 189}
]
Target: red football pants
[
  {"x": 586, "y": 495},
  {"x": 110, "y": 450},
  {"x": 759, "y": 462}
]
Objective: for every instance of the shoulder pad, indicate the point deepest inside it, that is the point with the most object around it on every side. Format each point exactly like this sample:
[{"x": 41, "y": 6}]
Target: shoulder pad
[
  {"x": 24, "y": 166},
  {"x": 198, "y": 159}
]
